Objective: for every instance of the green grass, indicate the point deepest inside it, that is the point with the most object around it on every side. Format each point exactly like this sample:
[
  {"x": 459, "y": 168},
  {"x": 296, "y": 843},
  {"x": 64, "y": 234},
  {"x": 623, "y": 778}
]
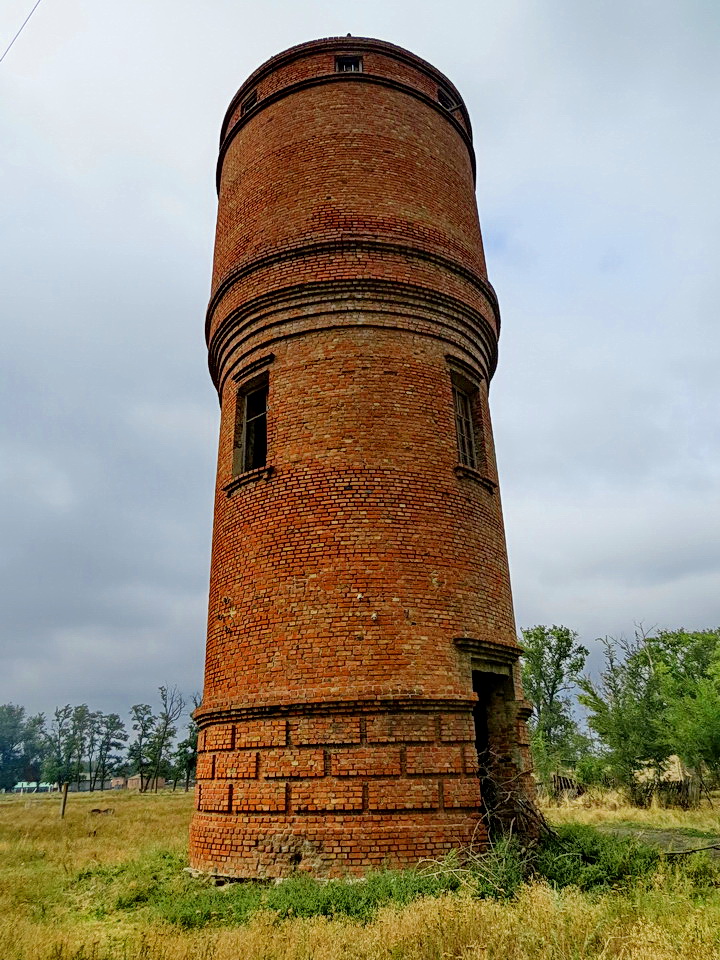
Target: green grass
[
  {"x": 116, "y": 889},
  {"x": 156, "y": 886}
]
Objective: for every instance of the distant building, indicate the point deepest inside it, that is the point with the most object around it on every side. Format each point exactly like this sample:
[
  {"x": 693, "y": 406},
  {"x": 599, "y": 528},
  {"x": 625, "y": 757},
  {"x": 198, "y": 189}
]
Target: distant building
[
  {"x": 135, "y": 783},
  {"x": 26, "y": 787}
]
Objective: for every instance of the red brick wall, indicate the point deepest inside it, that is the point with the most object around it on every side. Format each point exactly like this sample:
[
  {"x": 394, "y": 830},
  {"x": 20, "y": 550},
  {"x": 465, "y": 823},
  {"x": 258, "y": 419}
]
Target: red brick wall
[{"x": 336, "y": 718}]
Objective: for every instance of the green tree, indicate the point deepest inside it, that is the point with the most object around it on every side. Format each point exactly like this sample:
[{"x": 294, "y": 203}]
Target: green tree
[
  {"x": 688, "y": 667},
  {"x": 59, "y": 747},
  {"x": 20, "y": 745},
  {"x": 657, "y": 695},
  {"x": 552, "y": 662},
  {"x": 172, "y": 705},
  {"x": 84, "y": 737},
  {"x": 140, "y": 756},
  {"x": 626, "y": 708},
  {"x": 185, "y": 756},
  {"x": 111, "y": 735}
]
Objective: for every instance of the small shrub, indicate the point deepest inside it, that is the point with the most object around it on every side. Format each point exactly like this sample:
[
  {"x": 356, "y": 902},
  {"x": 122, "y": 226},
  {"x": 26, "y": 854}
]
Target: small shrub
[
  {"x": 193, "y": 904},
  {"x": 129, "y": 885},
  {"x": 700, "y": 871},
  {"x": 583, "y": 857}
]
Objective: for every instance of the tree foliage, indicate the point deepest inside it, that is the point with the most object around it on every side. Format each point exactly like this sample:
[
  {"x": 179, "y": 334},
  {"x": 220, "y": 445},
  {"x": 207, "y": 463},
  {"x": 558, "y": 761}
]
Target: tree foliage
[
  {"x": 552, "y": 661},
  {"x": 657, "y": 696},
  {"x": 87, "y": 747},
  {"x": 172, "y": 705},
  {"x": 140, "y": 755},
  {"x": 20, "y": 745},
  {"x": 184, "y": 760}
]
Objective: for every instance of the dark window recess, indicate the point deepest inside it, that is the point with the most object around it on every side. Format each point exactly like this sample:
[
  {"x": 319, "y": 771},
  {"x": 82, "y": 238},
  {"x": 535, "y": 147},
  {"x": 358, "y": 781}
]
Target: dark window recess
[
  {"x": 445, "y": 100},
  {"x": 251, "y": 430},
  {"x": 348, "y": 64},
  {"x": 464, "y": 427},
  {"x": 248, "y": 103}
]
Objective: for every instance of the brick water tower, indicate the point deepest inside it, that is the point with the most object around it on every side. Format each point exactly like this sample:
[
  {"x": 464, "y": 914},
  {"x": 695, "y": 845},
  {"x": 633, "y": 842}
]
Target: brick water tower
[{"x": 361, "y": 680}]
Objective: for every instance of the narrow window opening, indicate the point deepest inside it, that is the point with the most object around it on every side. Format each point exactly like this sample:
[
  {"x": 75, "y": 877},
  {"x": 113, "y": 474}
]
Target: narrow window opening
[
  {"x": 348, "y": 64},
  {"x": 248, "y": 103},
  {"x": 464, "y": 428},
  {"x": 250, "y": 451},
  {"x": 445, "y": 100}
]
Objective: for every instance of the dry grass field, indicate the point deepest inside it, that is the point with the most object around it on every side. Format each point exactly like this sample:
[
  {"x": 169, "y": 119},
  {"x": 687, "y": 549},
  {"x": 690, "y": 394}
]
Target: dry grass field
[{"x": 112, "y": 888}]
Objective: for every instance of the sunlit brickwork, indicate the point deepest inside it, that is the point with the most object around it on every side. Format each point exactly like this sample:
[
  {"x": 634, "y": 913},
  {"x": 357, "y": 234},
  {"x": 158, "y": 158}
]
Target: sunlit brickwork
[{"x": 359, "y": 587}]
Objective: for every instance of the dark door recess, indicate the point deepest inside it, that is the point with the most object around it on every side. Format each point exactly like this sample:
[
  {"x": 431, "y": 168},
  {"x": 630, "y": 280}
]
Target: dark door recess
[{"x": 491, "y": 737}]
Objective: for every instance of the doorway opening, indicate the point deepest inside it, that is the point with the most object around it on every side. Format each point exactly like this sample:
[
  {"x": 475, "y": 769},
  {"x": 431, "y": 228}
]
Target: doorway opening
[{"x": 490, "y": 717}]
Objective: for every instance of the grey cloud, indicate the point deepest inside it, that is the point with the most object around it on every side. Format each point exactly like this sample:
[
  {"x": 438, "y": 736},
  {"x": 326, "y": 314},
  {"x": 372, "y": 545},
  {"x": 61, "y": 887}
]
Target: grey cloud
[{"x": 597, "y": 138}]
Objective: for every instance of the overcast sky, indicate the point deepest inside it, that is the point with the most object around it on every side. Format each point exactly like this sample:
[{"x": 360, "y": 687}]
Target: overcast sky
[{"x": 597, "y": 131}]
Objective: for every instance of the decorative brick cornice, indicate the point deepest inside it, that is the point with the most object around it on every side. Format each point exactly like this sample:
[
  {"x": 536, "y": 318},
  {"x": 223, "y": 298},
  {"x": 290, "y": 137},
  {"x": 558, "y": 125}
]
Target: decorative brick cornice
[
  {"x": 342, "y": 45},
  {"x": 501, "y": 652},
  {"x": 228, "y": 713},
  {"x": 250, "y": 476},
  {"x": 254, "y": 367},
  {"x": 347, "y": 245},
  {"x": 523, "y": 709},
  {"x": 399, "y": 303},
  {"x": 463, "y": 367}
]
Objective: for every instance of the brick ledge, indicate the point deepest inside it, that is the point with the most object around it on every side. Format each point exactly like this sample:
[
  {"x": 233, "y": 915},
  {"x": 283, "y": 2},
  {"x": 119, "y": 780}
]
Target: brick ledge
[
  {"x": 250, "y": 476},
  {"x": 469, "y": 473}
]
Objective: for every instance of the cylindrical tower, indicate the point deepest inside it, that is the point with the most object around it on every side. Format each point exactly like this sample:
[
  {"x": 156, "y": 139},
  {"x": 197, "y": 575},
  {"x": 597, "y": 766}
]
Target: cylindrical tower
[{"x": 361, "y": 678}]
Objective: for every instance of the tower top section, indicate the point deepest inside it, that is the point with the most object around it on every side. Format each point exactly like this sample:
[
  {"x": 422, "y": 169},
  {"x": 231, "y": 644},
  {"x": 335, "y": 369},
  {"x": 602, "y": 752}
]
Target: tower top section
[{"x": 362, "y": 60}]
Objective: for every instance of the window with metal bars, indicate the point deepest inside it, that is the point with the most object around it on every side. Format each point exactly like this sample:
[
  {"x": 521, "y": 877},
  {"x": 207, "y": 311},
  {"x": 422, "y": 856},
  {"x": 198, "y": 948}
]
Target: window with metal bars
[
  {"x": 445, "y": 99},
  {"x": 250, "y": 449},
  {"x": 248, "y": 103},
  {"x": 464, "y": 429},
  {"x": 348, "y": 64}
]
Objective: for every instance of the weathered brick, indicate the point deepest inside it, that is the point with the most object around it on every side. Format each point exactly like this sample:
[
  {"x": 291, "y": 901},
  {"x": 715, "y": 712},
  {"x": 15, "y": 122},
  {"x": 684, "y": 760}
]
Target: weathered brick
[
  {"x": 400, "y": 727},
  {"x": 471, "y": 760},
  {"x": 293, "y": 763},
  {"x": 457, "y": 727},
  {"x": 463, "y": 792},
  {"x": 328, "y": 795},
  {"x": 426, "y": 759},
  {"x": 254, "y": 796},
  {"x": 311, "y": 730},
  {"x": 261, "y": 733},
  {"x": 215, "y": 797},
  {"x": 220, "y": 737},
  {"x": 403, "y": 794},
  {"x": 232, "y": 766},
  {"x": 204, "y": 769},
  {"x": 366, "y": 762}
]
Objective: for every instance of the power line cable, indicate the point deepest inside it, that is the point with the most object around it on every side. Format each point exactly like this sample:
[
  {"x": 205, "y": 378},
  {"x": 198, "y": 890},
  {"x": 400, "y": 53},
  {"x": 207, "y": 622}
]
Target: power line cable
[{"x": 7, "y": 50}]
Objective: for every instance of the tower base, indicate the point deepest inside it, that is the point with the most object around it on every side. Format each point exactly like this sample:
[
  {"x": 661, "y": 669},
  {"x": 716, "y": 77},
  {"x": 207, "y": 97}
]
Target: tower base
[
  {"x": 265, "y": 847},
  {"x": 339, "y": 793}
]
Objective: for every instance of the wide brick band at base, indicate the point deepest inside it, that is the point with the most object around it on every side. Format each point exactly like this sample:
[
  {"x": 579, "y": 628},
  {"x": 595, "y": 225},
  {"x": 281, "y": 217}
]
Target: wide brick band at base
[
  {"x": 334, "y": 794},
  {"x": 331, "y": 846}
]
